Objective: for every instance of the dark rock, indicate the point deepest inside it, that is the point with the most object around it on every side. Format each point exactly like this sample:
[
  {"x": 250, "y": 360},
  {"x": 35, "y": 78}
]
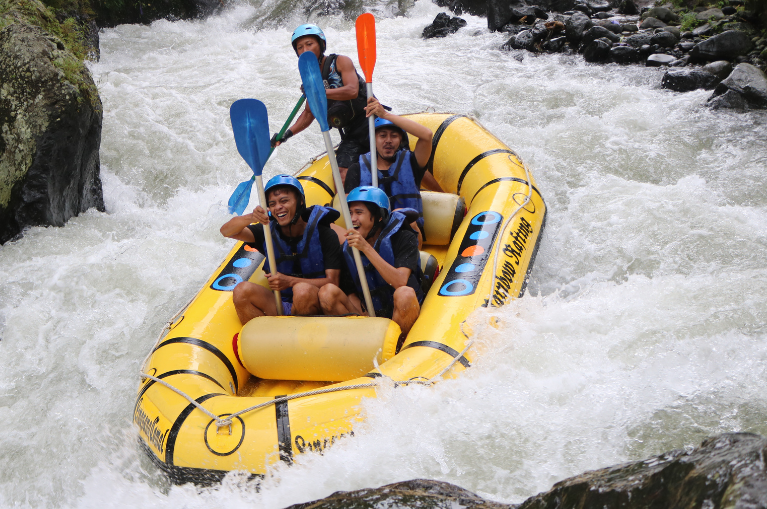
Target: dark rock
[
  {"x": 629, "y": 27},
  {"x": 523, "y": 40},
  {"x": 727, "y": 469},
  {"x": 728, "y": 100},
  {"x": 473, "y": 7},
  {"x": 597, "y": 51},
  {"x": 747, "y": 81},
  {"x": 710, "y": 14},
  {"x": 583, "y": 7},
  {"x": 595, "y": 33},
  {"x": 673, "y": 30},
  {"x": 680, "y": 62},
  {"x": 556, "y": 5},
  {"x": 50, "y": 119},
  {"x": 686, "y": 46},
  {"x": 442, "y": 26},
  {"x": 604, "y": 15},
  {"x": 703, "y": 30},
  {"x": 555, "y": 45},
  {"x": 720, "y": 68},
  {"x": 663, "y": 39},
  {"x": 659, "y": 60},
  {"x": 407, "y": 494},
  {"x": 726, "y": 45},
  {"x": 611, "y": 25},
  {"x": 684, "y": 80},
  {"x": 729, "y": 10},
  {"x": 651, "y": 23},
  {"x": 662, "y": 13},
  {"x": 576, "y": 26},
  {"x": 598, "y": 5},
  {"x": 628, "y": 7},
  {"x": 638, "y": 40},
  {"x": 624, "y": 55}
]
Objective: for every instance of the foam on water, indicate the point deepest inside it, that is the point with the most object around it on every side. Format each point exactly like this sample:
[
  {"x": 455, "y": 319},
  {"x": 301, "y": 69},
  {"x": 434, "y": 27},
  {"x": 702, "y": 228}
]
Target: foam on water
[{"x": 643, "y": 328}]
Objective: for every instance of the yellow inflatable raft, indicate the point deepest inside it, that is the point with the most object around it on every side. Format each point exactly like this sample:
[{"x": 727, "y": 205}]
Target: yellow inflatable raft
[{"x": 200, "y": 413}]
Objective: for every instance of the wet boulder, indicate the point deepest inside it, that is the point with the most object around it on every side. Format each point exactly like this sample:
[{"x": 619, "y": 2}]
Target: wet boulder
[
  {"x": 724, "y": 471},
  {"x": 501, "y": 13},
  {"x": 638, "y": 40},
  {"x": 747, "y": 82},
  {"x": 628, "y": 7},
  {"x": 624, "y": 55},
  {"x": 597, "y": 32},
  {"x": 725, "y": 46},
  {"x": 651, "y": 23},
  {"x": 50, "y": 119},
  {"x": 664, "y": 39},
  {"x": 555, "y": 44},
  {"x": 714, "y": 14},
  {"x": 443, "y": 25},
  {"x": 597, "y": 50},
  {"x": 556, "y": 5},
  {"x": 662, "y": 13},
  {"x": 659, "y": 60},
  {"x": 576, "y": 26},
  {"x": 685, "y": 80},
  {"x": 720, "y": 68}
]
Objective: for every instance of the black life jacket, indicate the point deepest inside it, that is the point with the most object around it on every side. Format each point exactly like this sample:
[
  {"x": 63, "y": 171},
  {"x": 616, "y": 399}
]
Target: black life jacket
[{"x": 343, "y": 114}]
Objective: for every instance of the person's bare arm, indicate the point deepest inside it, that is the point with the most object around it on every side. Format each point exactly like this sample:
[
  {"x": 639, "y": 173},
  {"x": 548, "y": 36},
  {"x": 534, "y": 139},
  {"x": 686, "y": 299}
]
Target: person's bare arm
[
  {"x": 278, "y": 281},
  {"x": 429, "y": 183},
  {"x": 237, "y": 227},
  {"x": 351, "y": 87}
]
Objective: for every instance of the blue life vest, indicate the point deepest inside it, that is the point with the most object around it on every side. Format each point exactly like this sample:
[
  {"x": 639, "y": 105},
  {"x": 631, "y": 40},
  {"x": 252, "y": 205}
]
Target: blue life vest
[
  {"x": 307, "y": 260},
  {"x": 398, "y": 183},
  {"x": 381, "y": 292}
]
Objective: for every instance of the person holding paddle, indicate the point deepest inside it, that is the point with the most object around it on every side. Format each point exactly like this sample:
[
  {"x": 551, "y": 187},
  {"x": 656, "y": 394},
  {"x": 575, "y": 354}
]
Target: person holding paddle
[
  {"x": 389, "y": 250},
  {"x": 307, "y": 253},
  {"x": 400, "y": 171},
  {"x": 346, "y": 97}
]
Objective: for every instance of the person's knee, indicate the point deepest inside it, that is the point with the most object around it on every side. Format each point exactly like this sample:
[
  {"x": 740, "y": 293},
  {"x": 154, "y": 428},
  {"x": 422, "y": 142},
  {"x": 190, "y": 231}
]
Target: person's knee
[
  {"x": 241, "y": 292},
  {"x": 328, "y": 295},
  {"x": 304, "y": 291},
  {"x": 404, "y": 296}
]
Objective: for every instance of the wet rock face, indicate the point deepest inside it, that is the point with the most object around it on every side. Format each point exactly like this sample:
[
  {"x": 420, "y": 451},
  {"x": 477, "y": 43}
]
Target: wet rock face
[
  {"x": 725, "y": 46},
  {"x": 684, "y": 80},
  {"x": 419, "y": 493},
  {"x": 725, "y": 471},
  {"x": 443, "y": 25},
  {"x": 50, "y": 132},
  {"x": 744, "y": 88}
]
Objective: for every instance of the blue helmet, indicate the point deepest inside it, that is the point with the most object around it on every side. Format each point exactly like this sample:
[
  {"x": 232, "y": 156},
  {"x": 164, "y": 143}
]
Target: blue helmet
[
  {"x": 309, "y": 29},
  {"x": 287, "y": 180},
  {"x": 382, "y": 122},
  {"x": 284, "y": 180},
  {"x": 372, "y": 195}
]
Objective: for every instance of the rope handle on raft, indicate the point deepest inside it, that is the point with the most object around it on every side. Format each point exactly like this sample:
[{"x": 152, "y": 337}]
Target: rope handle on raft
[{"x": 227, "y": 422}]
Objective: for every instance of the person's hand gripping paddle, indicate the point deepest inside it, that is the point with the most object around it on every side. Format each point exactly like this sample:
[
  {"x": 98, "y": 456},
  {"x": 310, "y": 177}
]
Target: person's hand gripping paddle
[
  {"x": 366, "y": 52},
  {"x": 250, "y": 125},
  {"x": 241, "y": 195},
  {"x": 314, "y": 89}
]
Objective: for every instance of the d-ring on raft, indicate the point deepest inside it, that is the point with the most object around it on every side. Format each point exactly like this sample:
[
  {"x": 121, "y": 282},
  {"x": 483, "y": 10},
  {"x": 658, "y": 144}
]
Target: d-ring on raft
[{"x": 200, "y": 413}]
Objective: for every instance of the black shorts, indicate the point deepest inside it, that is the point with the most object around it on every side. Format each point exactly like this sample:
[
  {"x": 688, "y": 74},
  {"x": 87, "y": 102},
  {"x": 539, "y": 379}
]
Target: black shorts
[
  {"x": 350, "y": 150},
  {"x": 355, "y": 141}
]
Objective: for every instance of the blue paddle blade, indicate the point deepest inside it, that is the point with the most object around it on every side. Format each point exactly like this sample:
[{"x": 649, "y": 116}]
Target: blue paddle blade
[
  {"x": 250, "y": 125},
  {"x": 314, "y": 88},
  {"x": 240, "y": 198}
]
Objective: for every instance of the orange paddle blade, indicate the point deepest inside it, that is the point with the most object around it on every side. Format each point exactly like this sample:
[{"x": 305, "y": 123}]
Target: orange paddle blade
[{"x": 366, "y": 44}]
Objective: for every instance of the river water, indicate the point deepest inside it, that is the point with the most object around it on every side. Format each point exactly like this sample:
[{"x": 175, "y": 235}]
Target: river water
[{"x": 643, "y": 328}]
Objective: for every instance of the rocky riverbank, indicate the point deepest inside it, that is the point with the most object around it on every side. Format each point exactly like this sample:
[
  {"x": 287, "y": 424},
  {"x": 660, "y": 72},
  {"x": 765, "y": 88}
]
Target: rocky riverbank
[
  {"x": 726, "y": 471},
  {"x": 720, "y": 49}
]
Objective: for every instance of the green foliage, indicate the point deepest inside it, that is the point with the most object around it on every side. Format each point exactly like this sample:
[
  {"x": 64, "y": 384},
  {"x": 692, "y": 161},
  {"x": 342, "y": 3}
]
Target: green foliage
[{"x": 688, "y": 21}]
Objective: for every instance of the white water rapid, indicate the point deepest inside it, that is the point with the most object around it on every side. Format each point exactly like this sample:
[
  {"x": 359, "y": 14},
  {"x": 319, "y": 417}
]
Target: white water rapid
[{"x": 643, "y": 328}]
